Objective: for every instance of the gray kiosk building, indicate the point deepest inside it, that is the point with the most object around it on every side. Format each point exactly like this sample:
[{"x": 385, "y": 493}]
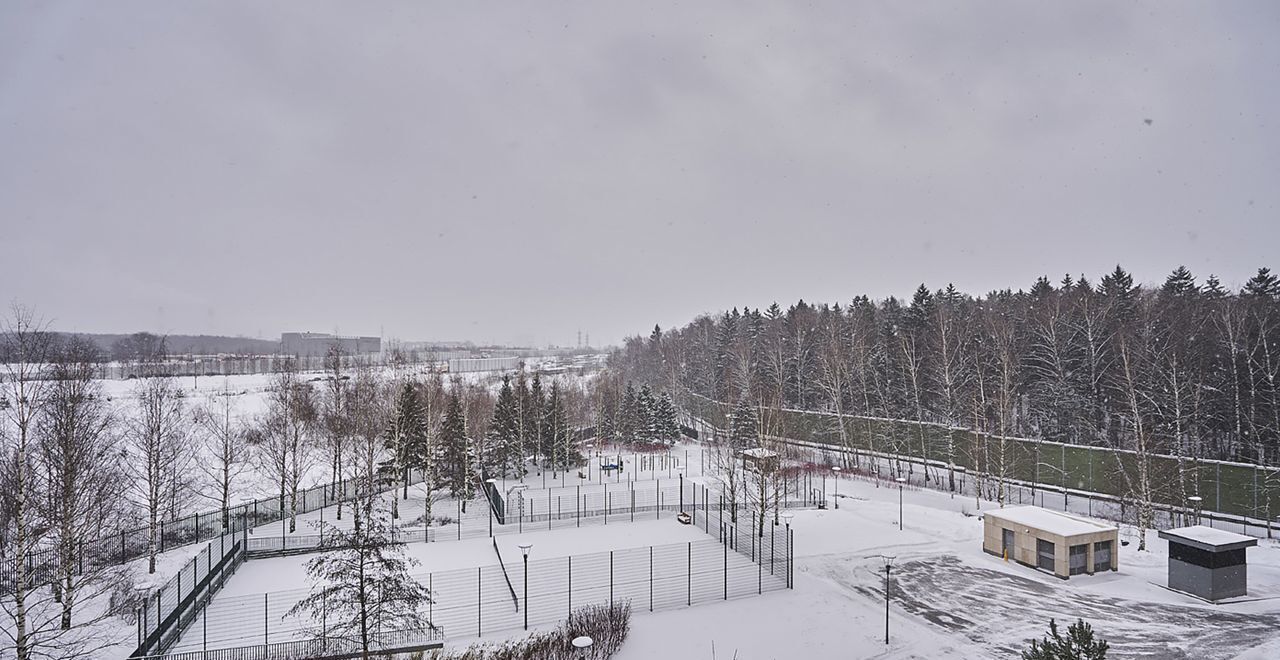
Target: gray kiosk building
[{"x": 1207, "y": 562}]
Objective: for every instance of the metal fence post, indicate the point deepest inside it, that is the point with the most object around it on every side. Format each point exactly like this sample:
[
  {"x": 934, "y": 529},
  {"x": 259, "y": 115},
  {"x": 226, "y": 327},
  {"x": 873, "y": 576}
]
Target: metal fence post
[
  {"x": 650, "y": 578},
  {"x": 266, "y": 620},
  {"x": 726, "y": 563},
  {"x": 479, "y": 599},
  {"x": 570, "y": 584},
  {"x": 611, "y": 578},
  {"x": 688, "y": 572}
]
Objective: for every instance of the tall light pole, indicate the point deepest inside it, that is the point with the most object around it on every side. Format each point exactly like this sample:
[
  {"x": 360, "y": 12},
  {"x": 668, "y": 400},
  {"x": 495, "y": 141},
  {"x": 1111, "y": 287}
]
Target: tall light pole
[
  {"x": 836, "y": 469},
  {"x": 524, "y": 549},
  {"x": 888, "y": 565},
  {"x": 900, "y": 480}
]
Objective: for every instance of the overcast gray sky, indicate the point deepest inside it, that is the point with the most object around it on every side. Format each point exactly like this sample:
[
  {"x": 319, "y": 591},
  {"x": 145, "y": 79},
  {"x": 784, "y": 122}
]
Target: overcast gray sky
[{"x": 516, "y": 171}]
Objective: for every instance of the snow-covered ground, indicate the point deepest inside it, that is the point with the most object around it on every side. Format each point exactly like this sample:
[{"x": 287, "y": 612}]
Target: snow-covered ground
[
  {"x": 952, "y": 600},
  {"x": 949, "y": 598}
]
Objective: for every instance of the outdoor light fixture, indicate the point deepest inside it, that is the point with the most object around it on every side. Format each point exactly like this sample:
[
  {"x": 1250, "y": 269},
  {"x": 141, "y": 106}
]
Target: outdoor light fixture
[
  {"x": 582, "y": 644},
  {"x": 900, "y": 480},
  {"x": 888, "y": 566},
  {"x": 836, "y": 469},
  {"x": 1195, "y": 501},
  {"x": 524, "y": 549}
]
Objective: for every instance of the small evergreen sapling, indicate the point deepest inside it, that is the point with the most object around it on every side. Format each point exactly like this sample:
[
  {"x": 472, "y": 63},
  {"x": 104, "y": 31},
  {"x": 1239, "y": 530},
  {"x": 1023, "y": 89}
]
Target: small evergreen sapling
[{"x": 1079, "y": 644}]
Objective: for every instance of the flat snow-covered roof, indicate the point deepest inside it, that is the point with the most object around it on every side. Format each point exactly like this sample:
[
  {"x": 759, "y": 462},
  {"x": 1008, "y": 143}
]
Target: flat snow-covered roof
[
  {"x": 1054, "y": 522},
  {"x": 1208, "y": 538}
]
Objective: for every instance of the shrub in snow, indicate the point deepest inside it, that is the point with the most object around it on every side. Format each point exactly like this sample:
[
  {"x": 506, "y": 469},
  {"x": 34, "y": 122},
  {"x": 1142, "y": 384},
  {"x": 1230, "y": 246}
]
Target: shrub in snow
[
  {"x": 606, "y": 625},
  {"x": 1079, "y": 644}
]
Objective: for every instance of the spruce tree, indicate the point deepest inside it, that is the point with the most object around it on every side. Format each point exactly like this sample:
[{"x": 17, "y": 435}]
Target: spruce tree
[
  {"x": 561, "y": 449},
  {"x": 628, "y": 421},
  {"x": 665, "y": 419},
  {"x": 406, "y": 442},
  {"x": 361, "y": 585},
  {"x": 742, "y": 426},
  {"x": 501, "y": 448},
  {"x": 1079, "y": 644},
  {"x": 524, "y": 423},
  {"x": 457, "y": 454},
  {"x": 536, "y": 411},
  {"x": 646, "y": 426}
]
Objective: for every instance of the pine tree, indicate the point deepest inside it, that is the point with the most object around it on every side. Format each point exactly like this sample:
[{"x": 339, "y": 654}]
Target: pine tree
[
  {"x": 457, "y": 465},
  {"x": 561, "y": 451},
  {"x": 405, "y": 440},
  {"x": 628, "y": 421},
  {"x": 742, "y": 426},
  {"x": 646, "y": 427},
  {"x": 665, "y": 419},
  {"x": 502, "y": 443},
  {"x": 536, "y": 413},
  {"x": 1079, "y": 644},
  {"x": 361, "y": 586},
  {"x": 524, "y": 424}
]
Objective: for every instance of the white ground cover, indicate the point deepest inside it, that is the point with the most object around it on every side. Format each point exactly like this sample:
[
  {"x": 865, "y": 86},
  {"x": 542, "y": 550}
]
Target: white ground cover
[{"x": 952, "y": 600}]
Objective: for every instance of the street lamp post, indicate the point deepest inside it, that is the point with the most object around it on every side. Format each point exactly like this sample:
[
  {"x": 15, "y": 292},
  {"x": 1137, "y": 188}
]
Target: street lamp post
[
  {"x": 900, "y": 480},
  {"x": 888, "y": 566},
  {"x": 836, "y": 469},
  {"x": 524, "y": 549}
]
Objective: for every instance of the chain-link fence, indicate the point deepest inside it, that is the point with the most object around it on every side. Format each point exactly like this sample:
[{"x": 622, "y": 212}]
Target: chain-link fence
[{"x": 737, "y": 562}]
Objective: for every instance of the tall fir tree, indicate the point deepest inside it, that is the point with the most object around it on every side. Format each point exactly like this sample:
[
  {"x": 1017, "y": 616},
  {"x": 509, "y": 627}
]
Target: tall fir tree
[
  {"x": 559, "y": 445},
  {"x": 666, "y": 421},
  {"x": 646, "y": 414},
  {"x": 405, "y": 440},
  {"x": 628, "y": 420},
  {"x": 457, "y": 463},
  {"x": 742, "y": 426},
  {"x": 501, "y": 453},
  {"x": 536, "y": 415}
]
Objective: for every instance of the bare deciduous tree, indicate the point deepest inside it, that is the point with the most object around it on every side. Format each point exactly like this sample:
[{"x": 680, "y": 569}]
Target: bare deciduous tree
[{"x": 155, "y": 438}]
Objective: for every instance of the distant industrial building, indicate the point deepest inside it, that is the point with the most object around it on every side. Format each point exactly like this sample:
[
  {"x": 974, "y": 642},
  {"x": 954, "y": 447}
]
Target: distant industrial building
[
  {"x": 463, "y": 365},
  {"x": 317, "y": 344},
  {"x": 1052, "y": 541}
]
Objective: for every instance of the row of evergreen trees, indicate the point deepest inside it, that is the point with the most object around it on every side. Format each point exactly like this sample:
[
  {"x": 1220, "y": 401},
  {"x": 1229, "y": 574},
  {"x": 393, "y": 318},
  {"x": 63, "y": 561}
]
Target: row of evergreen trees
[
  {"x": 529, "y": 427},
  {"x": 634, "y": 416},
  {"x": 1187, "y": 367}
]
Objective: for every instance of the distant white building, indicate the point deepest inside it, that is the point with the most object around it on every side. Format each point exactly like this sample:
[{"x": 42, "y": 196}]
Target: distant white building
[
  {"x": 317, "y": 344},
  {"x": 463, "y": 365}
]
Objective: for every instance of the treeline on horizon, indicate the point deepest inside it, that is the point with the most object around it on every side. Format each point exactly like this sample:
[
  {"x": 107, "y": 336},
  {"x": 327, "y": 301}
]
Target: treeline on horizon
[{"x": 1186, "y": 368}]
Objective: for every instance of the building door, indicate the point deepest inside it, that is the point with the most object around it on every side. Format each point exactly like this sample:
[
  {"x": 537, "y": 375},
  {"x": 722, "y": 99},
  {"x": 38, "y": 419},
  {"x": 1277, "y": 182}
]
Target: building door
[
  {"x": 1078, "y": 559},
  {"x": 1006, "y": 544},
  {"x": 1044, "y": 554},
  {"x": 1102, "y": 556}
]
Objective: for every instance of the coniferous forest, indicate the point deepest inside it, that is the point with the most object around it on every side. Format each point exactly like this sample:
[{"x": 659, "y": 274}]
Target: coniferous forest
[{"x": 1187, "y": 367}]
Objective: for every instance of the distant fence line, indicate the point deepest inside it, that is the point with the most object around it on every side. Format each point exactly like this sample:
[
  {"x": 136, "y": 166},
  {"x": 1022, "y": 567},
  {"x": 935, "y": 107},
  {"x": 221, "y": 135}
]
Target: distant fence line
[
  {"x": 1234, "y": 489},
  {"x": 128, "y": 545}
]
